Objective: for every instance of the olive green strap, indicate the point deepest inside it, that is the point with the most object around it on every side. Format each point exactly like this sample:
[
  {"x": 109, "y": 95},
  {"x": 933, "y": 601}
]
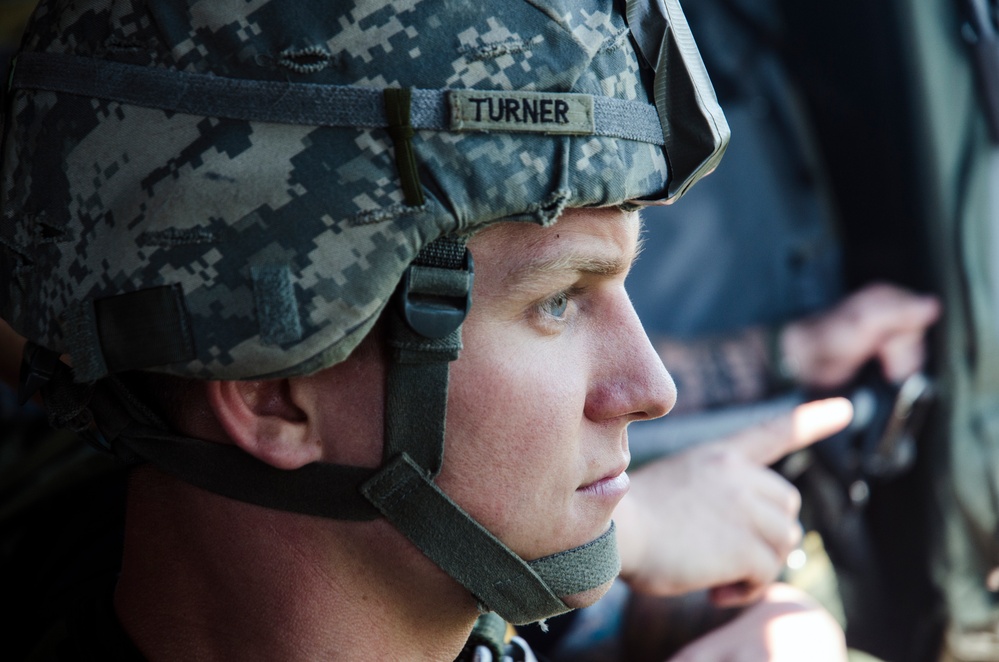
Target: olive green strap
[
  {"x": 499, "y": 579},
  {"x": 519, "y": 591},
  {"x": 400, "y": 128},
  {"x": 581, "y": 568},
  {"x": 416, "y": 395},
  {"x": 129, "y": 431},
  {"x": 326, "y": 490},
  {"x": 424, "y": 333}
]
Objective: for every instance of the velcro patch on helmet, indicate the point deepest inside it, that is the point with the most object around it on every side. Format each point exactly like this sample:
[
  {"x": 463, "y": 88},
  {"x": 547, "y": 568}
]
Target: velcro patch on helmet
[{"x": 535, "y": 112}]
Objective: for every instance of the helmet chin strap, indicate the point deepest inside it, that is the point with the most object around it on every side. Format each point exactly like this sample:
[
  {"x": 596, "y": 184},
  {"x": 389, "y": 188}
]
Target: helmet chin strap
[
  {"x": 401, "y": 490},
  {"x": 425, "y": 336}
]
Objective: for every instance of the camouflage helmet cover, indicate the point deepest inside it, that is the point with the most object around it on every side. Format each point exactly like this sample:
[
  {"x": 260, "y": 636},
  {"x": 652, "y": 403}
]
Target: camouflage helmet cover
[{"x": 221, "y": 173}]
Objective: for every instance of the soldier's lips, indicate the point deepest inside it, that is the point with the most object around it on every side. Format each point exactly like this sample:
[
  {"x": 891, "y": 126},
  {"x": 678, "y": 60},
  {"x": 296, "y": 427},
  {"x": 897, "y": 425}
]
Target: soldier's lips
[{"x": 612, "y": 486}]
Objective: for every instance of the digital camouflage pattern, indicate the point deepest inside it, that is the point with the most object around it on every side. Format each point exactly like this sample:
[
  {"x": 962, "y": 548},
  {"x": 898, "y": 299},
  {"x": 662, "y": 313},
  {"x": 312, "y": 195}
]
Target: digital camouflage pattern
[{"x": 287, "y": 240}]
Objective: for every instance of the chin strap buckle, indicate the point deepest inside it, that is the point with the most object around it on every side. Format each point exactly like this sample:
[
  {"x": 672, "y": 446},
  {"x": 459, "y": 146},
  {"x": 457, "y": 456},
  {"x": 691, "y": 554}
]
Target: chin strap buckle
[{"x": 435, "y": 293}]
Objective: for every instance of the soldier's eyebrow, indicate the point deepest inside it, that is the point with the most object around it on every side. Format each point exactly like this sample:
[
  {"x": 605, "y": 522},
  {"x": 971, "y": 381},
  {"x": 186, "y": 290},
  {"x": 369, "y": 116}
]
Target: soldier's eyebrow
[{"x": 536, "y": 274}]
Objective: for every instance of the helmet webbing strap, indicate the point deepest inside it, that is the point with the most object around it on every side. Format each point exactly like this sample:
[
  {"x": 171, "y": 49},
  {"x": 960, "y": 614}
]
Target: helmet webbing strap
[
  {"x": 295, "y": 103},
  {"x": 499, "y": 579},
  {"x": 425, "y": 336},
  {"x": 400, "y": 128},
  {"x": 402, "y": 491},
  {"x": 135, "y": 435},
  {"x": 325, "y": 490},
  {"x": 519, "y": 591}
]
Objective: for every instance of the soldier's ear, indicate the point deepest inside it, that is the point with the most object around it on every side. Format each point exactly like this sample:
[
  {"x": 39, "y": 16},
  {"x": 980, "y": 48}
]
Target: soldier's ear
[{"x": 263, "y": 418}]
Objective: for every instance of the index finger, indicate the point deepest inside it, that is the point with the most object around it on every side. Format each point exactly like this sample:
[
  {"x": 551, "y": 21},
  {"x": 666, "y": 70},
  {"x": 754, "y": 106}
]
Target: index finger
[{"x": 766, "y": 443}]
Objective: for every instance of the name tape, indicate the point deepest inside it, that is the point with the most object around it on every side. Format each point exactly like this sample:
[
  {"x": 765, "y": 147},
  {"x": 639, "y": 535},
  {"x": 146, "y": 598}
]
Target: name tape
[{"x": 536, "y": 112}]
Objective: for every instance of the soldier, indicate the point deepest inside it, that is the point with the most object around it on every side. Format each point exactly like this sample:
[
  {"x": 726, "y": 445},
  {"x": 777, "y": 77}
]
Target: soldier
[
  {"x": 249, "y": 231},
  {"x": 246, "y": 229}
]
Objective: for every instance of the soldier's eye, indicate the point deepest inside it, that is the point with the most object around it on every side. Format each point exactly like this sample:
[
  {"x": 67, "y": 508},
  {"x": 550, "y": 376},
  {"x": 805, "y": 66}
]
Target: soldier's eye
[{"x": 556, "y": 306}]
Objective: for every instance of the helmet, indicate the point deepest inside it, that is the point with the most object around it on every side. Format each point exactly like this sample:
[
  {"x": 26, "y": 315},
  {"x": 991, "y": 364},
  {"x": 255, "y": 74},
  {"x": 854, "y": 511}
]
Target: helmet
[{"x": 238, "y": 192}]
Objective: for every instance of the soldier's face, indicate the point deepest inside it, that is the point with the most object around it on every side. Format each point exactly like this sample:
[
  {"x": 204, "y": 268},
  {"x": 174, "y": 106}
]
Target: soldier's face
[{"x": 555, "y": 366}]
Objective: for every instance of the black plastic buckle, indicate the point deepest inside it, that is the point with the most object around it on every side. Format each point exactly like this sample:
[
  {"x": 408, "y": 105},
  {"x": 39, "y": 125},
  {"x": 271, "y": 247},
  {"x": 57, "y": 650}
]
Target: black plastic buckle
[{"x": 432, "y": 315}]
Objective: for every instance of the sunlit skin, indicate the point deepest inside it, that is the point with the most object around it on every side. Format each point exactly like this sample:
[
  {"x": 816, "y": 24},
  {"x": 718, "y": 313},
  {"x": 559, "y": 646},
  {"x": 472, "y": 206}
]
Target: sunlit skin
[{"x": 556, "y": 365}]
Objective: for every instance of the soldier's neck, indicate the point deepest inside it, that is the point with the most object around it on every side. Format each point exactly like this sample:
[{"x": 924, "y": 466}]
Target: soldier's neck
[{"x": 209, "y": 578}]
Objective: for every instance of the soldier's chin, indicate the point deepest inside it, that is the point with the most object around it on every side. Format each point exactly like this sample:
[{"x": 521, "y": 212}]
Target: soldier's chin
[{"x": 587, "y": 598}]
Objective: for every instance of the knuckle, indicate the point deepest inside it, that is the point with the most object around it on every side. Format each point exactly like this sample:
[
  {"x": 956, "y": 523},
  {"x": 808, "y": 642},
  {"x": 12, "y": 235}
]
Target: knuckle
[
  {"x": 793, "y": 500},
  {"x": 766, "y": 565}
]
